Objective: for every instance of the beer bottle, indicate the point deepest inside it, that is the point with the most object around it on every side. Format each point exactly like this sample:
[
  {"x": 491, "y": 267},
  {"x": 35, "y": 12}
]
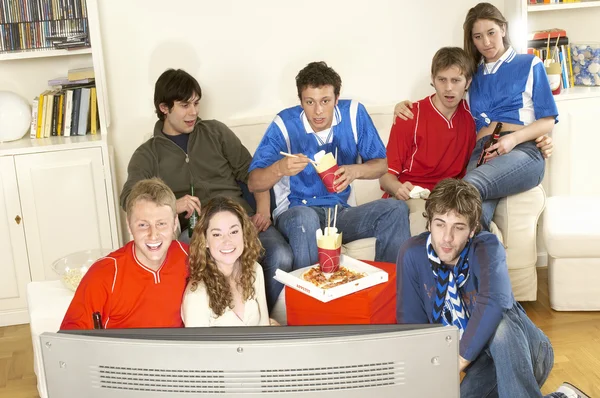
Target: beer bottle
[
  {"x": 491, "y": 141},
  {"x": 97, "y": 318},
  {"x": 193, "y": 217}
]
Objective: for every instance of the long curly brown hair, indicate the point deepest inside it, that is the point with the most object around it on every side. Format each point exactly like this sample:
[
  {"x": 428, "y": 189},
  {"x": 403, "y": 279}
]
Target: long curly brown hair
[{"x": 202, "y": 266}]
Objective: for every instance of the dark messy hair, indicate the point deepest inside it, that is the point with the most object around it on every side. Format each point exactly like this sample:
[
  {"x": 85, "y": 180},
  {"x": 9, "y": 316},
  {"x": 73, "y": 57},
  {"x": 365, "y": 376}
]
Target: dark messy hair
[
  {"x": 318, "y": 74},
  {"x": 174, "y": 85}
]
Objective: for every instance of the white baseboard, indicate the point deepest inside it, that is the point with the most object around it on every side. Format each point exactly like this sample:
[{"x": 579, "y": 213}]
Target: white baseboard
[
  {"x": 542, "y": 259},
  {"x": 15, "y": 317}
]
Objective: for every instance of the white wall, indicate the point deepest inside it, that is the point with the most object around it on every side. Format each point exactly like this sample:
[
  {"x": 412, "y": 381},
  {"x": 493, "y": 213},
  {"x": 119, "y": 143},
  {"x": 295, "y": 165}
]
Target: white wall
[{"x": 246, "y": 54}]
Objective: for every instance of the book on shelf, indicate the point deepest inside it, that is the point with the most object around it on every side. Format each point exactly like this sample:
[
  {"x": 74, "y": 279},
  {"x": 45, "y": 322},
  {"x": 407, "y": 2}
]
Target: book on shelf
[
  {"x": 84, "y": 110},
  {"x": 80, "y": 74},
  {"x": 68, "y": 113},
  {"x": 64, "y": 82},
  {"x": 93, "y": 111},
  {"x": 543, "y": 34},
  {"x": 34, "y": 113}
]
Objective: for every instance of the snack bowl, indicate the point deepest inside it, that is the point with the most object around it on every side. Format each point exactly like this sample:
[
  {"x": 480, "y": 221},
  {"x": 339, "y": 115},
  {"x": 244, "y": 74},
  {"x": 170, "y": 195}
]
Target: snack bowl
[{"x": 72, "y": 267}]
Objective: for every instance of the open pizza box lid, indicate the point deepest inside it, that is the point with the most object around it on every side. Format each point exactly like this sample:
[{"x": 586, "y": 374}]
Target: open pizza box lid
[{"x": 373, "y": 276}]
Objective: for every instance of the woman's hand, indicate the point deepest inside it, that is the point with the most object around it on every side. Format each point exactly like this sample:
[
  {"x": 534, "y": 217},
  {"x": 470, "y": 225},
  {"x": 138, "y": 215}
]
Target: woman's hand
[
  {"x": 402, "y": 110},
  {"x": 504, "y": 145},
  {"x": 544, "y": 143}
]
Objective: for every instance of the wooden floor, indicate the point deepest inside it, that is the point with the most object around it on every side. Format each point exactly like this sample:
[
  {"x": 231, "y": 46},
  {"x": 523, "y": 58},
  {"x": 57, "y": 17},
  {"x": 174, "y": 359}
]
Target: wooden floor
[{"x": 574, "y": 335}]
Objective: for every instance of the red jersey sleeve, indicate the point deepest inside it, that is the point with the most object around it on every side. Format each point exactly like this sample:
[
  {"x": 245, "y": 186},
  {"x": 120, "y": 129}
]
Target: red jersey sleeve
[
  {"x": 91, "y": 296},
  {"x": 399, "y": 145}
]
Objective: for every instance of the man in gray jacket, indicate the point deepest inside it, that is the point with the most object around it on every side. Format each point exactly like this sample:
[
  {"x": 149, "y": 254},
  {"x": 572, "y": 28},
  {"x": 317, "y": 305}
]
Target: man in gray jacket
[{"x": 186, "y": 150}]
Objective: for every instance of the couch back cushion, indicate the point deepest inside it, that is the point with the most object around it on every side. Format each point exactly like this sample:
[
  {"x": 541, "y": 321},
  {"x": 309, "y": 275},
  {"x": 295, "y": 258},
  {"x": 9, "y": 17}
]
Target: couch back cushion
[{"x": 251, "y": 132}]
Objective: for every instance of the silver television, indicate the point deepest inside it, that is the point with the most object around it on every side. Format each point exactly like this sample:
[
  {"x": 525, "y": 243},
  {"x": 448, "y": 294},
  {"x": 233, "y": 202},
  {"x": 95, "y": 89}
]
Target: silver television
[{"x": 341, "y": 361}]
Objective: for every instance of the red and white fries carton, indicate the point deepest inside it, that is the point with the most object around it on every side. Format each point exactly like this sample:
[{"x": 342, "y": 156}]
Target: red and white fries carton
[{"x": 373, "y": 276}]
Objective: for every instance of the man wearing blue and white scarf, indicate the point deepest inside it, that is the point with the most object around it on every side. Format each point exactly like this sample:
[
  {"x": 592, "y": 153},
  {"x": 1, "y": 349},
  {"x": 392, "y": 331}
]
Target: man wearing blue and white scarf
[{"x": 456, "y": 275}]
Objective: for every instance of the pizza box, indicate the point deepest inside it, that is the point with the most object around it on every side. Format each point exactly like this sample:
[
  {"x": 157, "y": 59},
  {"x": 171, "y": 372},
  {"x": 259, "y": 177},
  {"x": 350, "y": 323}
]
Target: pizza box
[{"x": 374, "y": 276}]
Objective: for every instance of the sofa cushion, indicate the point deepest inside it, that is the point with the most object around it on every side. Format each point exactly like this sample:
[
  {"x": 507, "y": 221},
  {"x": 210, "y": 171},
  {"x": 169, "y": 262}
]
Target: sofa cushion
[
  {"x": 362, "y": 249},
  {"x": 571, "y": 227}
]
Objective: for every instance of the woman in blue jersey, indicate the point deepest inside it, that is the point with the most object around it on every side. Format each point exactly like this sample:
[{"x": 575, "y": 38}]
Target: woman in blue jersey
[{"x": 512, "y": 89}]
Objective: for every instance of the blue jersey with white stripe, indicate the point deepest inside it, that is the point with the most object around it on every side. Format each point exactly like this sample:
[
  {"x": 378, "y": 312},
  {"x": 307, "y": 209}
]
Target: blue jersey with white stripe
[
  {"x": 514, "y": 89},
  {"x": 353, "y": 134}
]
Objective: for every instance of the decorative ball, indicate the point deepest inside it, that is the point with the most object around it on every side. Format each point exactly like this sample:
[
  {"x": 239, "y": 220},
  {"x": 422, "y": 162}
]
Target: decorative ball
[{"x": 15, "y": 116}]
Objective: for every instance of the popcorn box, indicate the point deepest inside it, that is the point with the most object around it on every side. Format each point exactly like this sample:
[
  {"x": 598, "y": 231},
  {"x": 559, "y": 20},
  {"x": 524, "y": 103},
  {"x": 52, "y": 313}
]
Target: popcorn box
[
  {"x": 373, "y": 276},
  {"x": 586, "y": 63}
]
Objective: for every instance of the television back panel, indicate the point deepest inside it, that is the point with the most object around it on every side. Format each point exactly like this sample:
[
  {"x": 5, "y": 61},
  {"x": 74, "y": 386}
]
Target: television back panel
[{"x": 420, "y": 362}]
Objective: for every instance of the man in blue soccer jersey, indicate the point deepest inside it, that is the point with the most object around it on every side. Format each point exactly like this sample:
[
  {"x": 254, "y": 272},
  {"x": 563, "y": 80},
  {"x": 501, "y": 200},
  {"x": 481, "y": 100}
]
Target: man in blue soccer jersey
[
  {"x": 322, "y": 122},
  {"x": 456, "y": 275}
]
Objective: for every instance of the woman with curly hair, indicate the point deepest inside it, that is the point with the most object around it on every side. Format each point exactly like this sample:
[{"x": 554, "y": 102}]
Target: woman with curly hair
[{"x": 226, "y": 286}]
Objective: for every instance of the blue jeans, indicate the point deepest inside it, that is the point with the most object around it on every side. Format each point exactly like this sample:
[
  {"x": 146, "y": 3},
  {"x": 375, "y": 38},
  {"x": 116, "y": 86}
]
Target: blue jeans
[
  {"x": 384, "y": 219},
  {"x": 517, "y": 171},
  {"x": 516, "y": 362},
  {"x": 278, "y": 255}
]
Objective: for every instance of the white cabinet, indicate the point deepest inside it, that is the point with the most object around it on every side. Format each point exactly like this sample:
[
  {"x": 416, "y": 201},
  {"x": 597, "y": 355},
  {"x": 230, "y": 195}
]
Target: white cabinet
[
  {"x": 574, "y": 163},
  {"x": 14, "y": 269},
  {"x": 54, "y": 203},
  {"x": 57, "y": 194}
]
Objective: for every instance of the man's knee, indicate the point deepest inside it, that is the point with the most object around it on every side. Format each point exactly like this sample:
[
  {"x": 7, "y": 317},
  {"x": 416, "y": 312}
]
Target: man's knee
[
  {"x": 299, "y": 217},
  {"x": 282, "y": 257}
]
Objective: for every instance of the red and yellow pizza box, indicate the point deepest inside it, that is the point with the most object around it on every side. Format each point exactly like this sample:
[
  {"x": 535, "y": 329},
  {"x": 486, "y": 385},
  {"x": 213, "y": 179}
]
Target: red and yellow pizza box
[{"x": 373, "y": 276}]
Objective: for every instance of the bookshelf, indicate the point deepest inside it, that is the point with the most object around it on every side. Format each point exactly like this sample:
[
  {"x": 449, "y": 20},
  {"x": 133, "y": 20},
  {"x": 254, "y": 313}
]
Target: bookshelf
[
  {"x": 579, "y": 19},
  {"x": 28, "y": 54},
  {"x": 562, "y": 6},
  {"x": 57, "y": 194}
]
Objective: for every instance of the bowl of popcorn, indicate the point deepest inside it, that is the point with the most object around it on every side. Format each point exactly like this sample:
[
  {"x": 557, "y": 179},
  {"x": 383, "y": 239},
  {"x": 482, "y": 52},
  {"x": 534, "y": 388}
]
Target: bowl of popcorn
[{"x": 72, "y": 267}]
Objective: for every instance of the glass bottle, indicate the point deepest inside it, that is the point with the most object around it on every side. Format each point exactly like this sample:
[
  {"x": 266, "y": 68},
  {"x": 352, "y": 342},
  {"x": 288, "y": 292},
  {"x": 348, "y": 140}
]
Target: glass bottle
[
  {"x": 194, "y": 217},
  {"x": 491, "y": 141}
]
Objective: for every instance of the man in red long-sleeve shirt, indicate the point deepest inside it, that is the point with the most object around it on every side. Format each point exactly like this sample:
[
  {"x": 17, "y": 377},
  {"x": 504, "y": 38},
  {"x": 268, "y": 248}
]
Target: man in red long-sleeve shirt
[
  {"x": 437, "y": 143},
  {"x": 140, "y": 285}
]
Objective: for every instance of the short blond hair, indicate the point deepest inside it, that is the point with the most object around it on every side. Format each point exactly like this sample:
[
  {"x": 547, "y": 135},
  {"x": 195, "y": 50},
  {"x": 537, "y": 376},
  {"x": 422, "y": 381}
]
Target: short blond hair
[
  {"x": 458, "y": 196},
  {"x": 152, "y": 190}
]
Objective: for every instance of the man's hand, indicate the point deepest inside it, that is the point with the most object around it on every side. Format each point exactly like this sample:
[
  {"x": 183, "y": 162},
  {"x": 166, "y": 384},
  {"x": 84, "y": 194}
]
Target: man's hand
[
  {"x": 504, "y": 145},
  {"x": 544, "y": 143},
  {"x": 402, "y": 110},
  {"x": 187, "y": 204},
  {"x": 403, "y": 192},
  {"x": 462, "y": 363},
  {"x": 345, "y": 175},
  {"x": 291, "y": 166},
  {"x": 261, "y": 222}
]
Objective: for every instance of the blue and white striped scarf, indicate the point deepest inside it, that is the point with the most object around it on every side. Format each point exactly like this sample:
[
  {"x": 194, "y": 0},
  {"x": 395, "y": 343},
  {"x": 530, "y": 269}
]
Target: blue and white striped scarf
[{"x": 448, "y": 306}]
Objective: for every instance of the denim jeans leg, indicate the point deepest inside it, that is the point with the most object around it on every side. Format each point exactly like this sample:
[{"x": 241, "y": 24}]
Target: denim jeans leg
[
  {"x": 384, "y": 219},
  {"x": 278, "y": 255},
  {"x": 522, "y": 355},
  {"x": 480, "y": 378},
  {"x": 517, "y": 171},
  {"x": 488, "y": 207},
  {"x": 298, "y": 225}
]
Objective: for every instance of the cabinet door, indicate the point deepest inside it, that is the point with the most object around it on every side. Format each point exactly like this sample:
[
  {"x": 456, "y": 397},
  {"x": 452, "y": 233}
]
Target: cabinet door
[
  {"x": 65, "y": 205},
  {"x": 574, "y": 161},
  {"x": 14, "y": 267}
]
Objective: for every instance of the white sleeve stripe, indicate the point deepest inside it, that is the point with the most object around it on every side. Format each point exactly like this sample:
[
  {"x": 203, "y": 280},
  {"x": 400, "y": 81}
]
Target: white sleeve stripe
[
  {"x": 412, "y": 158},
  {"x": 392, "y": 171},
  {"x": 279, "y": 122},
  {"x": 353, "y": 117}
]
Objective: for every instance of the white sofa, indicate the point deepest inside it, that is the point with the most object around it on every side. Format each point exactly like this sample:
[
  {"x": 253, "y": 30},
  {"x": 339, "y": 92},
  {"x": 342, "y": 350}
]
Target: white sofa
[{"x": 516, "y": 217}]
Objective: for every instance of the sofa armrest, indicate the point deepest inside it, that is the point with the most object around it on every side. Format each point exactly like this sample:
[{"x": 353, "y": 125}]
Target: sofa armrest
[{"x": 516, "y": 217}]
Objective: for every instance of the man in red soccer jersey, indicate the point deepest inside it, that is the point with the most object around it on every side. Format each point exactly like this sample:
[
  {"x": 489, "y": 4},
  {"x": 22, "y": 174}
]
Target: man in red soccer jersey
[
  {"x": 436, "y": 143},
  {"x": 140, "y": 285}
]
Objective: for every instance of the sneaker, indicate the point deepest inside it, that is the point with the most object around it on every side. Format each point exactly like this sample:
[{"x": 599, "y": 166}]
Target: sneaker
[{"x": 571, "y": 391}]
